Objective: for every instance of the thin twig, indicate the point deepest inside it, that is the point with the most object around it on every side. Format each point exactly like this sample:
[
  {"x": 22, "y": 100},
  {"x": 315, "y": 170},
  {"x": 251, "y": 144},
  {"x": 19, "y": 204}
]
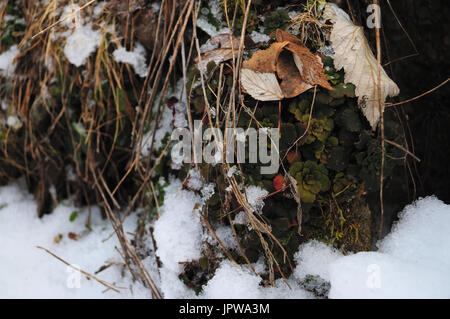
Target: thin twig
[
  {"x": 419, "y": 96},
  {"x": 104, "y": 283}
]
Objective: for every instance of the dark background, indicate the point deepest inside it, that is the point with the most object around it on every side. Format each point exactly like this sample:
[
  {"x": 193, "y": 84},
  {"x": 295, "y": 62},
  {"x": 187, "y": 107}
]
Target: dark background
[{"x": 426, "y": 121}]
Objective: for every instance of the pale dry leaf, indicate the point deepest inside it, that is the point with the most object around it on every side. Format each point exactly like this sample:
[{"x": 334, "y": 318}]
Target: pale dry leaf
[
  {"x": 352, "y": 52},
  {"x": 217, "y": 56},
  {"x": 218, "y": 49},
  {"x": 261, "y": 86}
]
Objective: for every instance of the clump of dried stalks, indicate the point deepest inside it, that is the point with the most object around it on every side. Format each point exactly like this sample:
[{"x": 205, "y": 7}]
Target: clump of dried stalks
[{"x": 108, "y": 174}]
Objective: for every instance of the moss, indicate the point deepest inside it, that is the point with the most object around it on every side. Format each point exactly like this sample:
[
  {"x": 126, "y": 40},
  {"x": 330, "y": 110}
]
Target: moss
[
  {"x": 312, "y": 178},
  {"x": 277, "y": 20}
]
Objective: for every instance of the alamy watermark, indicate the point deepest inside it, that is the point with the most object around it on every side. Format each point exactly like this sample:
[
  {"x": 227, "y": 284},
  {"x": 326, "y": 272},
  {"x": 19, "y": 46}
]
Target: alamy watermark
[
  {"x": 213, "y": 146},
  {"x": 374, "y": 19},
  {"x": 74, "y": 278},
  {"x": 374, "y": 276}
]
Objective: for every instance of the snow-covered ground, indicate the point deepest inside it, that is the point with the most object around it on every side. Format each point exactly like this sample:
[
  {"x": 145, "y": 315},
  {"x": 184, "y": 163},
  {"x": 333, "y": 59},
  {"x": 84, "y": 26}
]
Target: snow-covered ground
[{"x": 413, "y": 261}]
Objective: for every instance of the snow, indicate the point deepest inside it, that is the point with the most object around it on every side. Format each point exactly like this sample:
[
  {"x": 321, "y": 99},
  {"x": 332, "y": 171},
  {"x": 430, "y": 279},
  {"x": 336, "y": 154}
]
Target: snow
[
  {"x": 81, "y": 39},
  {"x": 315, "y": 258},
  {"x": 14, "y": 122},
  {"x": 226, "y": 236},
  {"x": 28, "y": 272},
  {"x": 178, "y": 231},
  {"x": 155, "y": 7},
  {"x": 98, "y": 9},
  {"x": 7, "y": 64},
  {"x": 423, "y": 234},
  {"x": 164, "y": 127},
  {"x": 195, "y": 181},
  {"x": 207, "y": 192},
  {"x": 255, "y": 197},
  {"x": 136, "y": 59},
  {"x": 241, "y": 219},
  {"x": 377, "y": 275},
  {"x": 81, "y": 44},
  {"x": 178, "y": 236},
  {"x": 237, "y": 282},
  {"x": 211, "y": 30},
  {"x": 413, "y": 261},
  {"x": 231, "y": 282},
  {"x": 179, "y": 120},
  {"x": 233, "y": 170},
  {"x": 71, "y": 15},
  {"x": 259, "y": 37}
]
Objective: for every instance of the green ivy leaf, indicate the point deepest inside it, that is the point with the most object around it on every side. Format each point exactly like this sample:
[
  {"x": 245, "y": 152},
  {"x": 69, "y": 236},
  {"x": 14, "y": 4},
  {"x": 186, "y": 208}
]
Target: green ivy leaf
[{"x": 73, "y": 216}]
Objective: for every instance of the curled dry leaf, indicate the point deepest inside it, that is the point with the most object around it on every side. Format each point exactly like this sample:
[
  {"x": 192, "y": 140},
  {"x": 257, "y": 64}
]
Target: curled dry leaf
[
  {"x": 309, "y": 65},
  {"x": 292, "y": 83},
  {"x": 352, "y": 52},
  {"x": 258, "y": 75},
  {"x": 288, "y": 60},
  {"x": 220, "y": 48}
]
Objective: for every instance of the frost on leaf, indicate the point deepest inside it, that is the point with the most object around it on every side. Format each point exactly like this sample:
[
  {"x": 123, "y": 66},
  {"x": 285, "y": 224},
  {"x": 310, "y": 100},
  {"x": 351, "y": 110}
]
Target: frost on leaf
[
  {"x": 288, "y": 60},
  {"x": 352, "y": 52}
]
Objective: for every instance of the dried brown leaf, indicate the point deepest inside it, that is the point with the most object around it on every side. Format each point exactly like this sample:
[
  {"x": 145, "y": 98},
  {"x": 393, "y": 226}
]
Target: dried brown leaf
[
  {"x": 265, "y": 60},
  {"x": 296, "y": 67}
]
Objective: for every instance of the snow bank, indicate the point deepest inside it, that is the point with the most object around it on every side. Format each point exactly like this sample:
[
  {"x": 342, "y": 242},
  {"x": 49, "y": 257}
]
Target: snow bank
[
  {"x": 28, "y": 272},
  {"x": 178, "y": 232},
  {"x": 378, "y": 275},
  {"x": 413, "y": 261},
  {"x": 178, "y": 236},
  {"x": 314, "y": 258},
  {"x": 233, "y": 282}
]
